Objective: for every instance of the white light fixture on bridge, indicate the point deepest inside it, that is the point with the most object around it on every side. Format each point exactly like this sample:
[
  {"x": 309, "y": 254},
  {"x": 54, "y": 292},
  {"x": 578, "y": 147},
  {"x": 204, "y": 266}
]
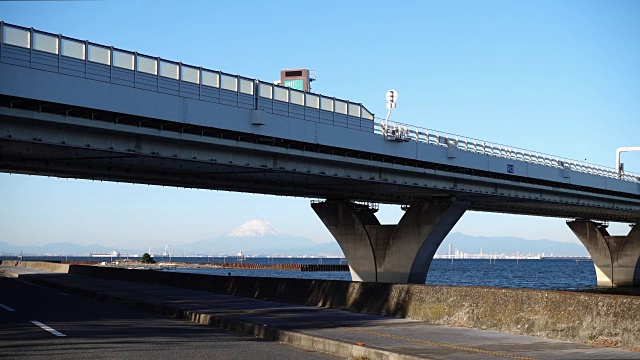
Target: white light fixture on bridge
[
  {"x": 394, "y": 132},
  {"x": 392, "y": 98}
]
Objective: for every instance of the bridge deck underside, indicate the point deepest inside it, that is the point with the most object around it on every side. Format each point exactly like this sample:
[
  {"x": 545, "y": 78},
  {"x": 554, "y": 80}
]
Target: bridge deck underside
[{"x": 162, "y": 153}]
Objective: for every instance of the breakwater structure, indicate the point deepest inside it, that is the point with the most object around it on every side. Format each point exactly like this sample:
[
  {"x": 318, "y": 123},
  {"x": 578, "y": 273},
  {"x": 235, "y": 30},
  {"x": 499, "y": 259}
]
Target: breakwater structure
[
  {"x": 591, "y": 318},
  {"x": 292, "y": 267},
  {"x": 219, "y": 265},
  {"x": 285, "y": 267}
]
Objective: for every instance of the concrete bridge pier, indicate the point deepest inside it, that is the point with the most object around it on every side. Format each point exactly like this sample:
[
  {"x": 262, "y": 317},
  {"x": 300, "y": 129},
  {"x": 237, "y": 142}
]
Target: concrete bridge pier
[
  {"x": 398, "y": 253},
  {"x": 616, "y": 258}
]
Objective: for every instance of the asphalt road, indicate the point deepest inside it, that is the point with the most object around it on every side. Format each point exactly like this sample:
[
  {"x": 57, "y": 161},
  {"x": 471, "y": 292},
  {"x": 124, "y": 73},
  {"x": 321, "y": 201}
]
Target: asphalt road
[{"x": 38, "y": 322}]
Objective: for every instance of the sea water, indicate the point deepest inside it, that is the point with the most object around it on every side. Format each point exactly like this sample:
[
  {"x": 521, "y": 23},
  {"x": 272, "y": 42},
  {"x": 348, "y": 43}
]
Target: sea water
[{"x": 549, "y": 274}]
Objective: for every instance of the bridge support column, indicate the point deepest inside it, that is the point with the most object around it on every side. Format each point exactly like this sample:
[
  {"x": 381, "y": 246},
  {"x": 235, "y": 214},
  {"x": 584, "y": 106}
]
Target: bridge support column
[
  {"x": 398, "y": 253},
  {"x": 616, "y": 258}
]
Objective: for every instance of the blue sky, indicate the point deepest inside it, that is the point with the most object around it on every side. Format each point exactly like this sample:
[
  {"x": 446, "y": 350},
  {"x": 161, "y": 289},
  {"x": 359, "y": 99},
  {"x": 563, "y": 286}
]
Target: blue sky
[{"x": 556, "y": 77}]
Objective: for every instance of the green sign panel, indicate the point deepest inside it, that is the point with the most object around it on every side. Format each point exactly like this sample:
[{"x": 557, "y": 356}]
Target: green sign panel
[{"x": 294, "y": 84}]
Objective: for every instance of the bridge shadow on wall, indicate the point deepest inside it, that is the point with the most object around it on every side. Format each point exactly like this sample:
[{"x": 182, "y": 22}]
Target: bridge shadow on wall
[
  {"x": 371, "y": 298},
  {"x": 377, "y": 299},
  {"x": 391, "y": 300}
]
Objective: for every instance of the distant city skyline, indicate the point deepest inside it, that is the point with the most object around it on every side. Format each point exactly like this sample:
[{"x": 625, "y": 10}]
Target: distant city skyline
[{"x": 557, "y": 78}]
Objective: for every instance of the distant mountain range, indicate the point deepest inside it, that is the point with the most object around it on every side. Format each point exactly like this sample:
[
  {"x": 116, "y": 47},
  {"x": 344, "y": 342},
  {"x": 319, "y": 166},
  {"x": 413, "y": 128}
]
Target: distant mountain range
[{"x": 258, "y": 237}]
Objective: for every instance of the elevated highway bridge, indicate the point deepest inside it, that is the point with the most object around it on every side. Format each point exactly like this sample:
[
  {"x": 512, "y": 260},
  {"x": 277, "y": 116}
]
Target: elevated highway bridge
[{"x": 75, "y": 109}]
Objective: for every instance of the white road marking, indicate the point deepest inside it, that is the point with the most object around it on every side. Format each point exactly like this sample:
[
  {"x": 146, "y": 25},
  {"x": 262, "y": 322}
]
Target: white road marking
[
  {"x": 64, "y": 294},
  {"x": 53, "y": 331},
  {"x": 6, "y": 307}
]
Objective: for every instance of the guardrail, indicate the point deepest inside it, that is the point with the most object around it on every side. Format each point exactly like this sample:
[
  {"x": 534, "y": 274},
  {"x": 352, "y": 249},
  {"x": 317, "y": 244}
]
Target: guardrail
[
  {"x": 50, "y": 52},
  {"x": 404, "y": 132}
]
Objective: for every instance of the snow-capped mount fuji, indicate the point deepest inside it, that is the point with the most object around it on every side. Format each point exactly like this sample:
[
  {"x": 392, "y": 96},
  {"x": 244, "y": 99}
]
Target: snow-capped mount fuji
[
  {"x": 255, "y": 228},
  {"x": 259, "y": 237}
]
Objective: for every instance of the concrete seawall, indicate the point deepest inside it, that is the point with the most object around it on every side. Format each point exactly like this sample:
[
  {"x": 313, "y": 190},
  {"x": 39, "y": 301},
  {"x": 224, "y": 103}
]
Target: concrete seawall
[
  {"x": 599, "y": 319},
  {"x": 42, "y": 265}
]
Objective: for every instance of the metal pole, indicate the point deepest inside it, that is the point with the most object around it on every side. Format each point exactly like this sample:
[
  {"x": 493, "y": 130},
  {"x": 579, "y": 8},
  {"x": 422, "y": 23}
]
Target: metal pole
[
  {"x": 621, "y": 150},
  {"x": 386, "y": 121}
]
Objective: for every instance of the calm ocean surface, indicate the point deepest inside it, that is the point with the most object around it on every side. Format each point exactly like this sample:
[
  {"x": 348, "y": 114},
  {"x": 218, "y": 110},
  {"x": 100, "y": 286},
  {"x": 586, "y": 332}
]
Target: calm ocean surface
[{"x": 554, "y": 274}]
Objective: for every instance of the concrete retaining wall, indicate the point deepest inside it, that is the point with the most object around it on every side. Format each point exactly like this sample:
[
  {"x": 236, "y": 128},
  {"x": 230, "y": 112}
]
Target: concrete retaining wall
[
  {"x": 42, "y": 265},
  {"x": 582, "y": 317}
]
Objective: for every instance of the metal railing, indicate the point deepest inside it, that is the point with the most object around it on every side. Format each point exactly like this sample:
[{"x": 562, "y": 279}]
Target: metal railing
[
  {"x": 57, "y": 53},
  {"x": 404, "y": 132}
]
